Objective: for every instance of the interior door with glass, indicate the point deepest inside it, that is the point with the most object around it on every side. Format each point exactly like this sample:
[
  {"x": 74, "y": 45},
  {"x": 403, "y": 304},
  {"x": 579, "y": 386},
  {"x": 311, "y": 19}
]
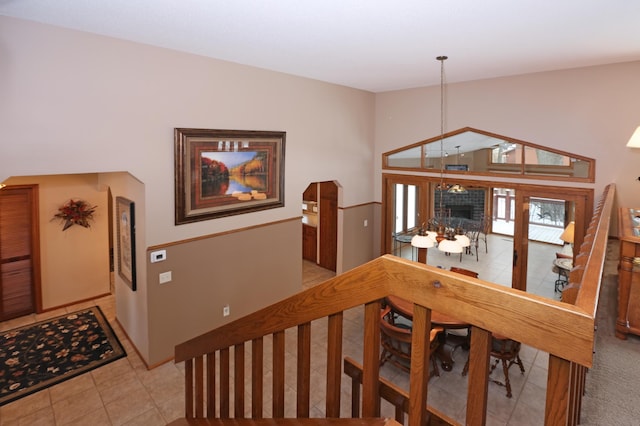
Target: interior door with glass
[
  {"x": 406, "y": 203},
  {"x": 540, "y": 238}
]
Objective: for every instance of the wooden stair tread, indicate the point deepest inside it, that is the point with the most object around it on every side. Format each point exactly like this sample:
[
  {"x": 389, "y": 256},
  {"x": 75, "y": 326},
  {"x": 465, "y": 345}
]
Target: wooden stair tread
[{"x": 375, "y": 421}]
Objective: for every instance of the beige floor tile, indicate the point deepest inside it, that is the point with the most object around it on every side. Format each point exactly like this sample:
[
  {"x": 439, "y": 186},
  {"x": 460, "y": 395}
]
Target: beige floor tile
[
  {"x": 71, "y": 387},
  {"x": 127, "y": 384},
  {"x": 25, "y": 406},
  {"x": 76, "y": 407},
  {"x": 172, "y": 409},
  {"x": 128, "y": 407},
  {"x": 166, "y": 389},
  {"x": 166, "y": 371},
  {"x": 150, "y": 417},
  {"x": 98, "y": 417},
  {"x": 112, "y": 370},
  {"x": 18, "y": 322},
  {"x": 50, "y": 314},
  {"x": 43, "y": 417}
]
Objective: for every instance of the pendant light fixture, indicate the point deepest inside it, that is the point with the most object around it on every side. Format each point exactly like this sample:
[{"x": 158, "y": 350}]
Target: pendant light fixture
[
  {"x": 448, "y": 243},
  {"x": 457, "y": 188}
]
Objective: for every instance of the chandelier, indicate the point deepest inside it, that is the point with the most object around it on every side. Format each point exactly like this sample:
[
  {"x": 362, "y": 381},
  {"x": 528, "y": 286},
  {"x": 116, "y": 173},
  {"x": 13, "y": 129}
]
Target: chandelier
[{"x": 448, "y": 239}]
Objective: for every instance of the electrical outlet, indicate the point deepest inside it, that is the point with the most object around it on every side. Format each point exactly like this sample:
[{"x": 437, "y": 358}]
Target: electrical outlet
[
  {"x": 165, "y": 277},
  {"x": 226, "y": 311}
]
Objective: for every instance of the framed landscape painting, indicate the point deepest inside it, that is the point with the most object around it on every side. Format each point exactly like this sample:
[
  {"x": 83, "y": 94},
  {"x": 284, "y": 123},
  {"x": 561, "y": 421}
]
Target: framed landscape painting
[
  {"x": 227, "y": 172},
  {"x": 126, "y": 234}
]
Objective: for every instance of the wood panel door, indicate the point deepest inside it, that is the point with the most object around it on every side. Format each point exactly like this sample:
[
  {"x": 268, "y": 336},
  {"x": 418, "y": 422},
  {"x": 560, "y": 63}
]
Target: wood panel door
[
  {"x": 328, "y": 225},
  {"x": 18, "y": 250}
]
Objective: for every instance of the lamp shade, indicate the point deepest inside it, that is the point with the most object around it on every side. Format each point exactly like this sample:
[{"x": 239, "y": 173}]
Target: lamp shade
[
  {"x": 450, "y": 246},
  {"x": 457, "y": 189},
  {"x": 567, "y": 234},
  {"x": 463, "y": 240},
  {"x": 634, "y": 142},
  {"x": 422, "y": 241}
]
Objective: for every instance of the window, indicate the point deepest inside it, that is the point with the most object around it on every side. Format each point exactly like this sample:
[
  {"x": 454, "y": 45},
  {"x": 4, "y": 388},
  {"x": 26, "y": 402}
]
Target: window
[{"x": 470, "y": 151}]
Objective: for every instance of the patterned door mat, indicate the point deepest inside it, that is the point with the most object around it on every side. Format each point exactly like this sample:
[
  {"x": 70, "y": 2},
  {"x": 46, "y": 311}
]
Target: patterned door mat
[{"x": 43, "y": 354}]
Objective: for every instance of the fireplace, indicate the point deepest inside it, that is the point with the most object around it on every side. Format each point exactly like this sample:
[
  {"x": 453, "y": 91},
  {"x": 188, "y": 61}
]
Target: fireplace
[
  {"x": 470, "y": 205},
  {"x": 461, "y": 211}
]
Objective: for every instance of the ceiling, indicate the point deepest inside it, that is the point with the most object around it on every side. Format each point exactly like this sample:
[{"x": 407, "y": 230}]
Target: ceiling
[{"x": 373, "y": 45}]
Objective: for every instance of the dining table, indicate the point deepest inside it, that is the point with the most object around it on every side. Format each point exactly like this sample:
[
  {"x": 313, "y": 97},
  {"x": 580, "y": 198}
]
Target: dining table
[{"x": 404, "y": 307}]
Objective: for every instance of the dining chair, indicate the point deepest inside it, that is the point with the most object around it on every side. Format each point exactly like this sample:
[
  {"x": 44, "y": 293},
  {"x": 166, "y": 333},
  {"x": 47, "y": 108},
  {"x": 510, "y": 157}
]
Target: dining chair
[
  {"x": 507, "y": 352},
  {"x": 485, "y": 227},
  {"x": 479, "y": 232},
  {"x": 395, "y": 339},
  {"x": 464, "y": 271}
]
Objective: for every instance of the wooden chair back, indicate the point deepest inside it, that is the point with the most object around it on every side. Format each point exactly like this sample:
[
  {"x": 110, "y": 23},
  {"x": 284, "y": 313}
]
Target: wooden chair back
[
  {"x": 395, "y": 341},
  {"x": 463, "y": 271}
]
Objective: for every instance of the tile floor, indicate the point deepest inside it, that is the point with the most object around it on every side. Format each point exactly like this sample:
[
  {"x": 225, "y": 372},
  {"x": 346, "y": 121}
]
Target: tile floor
[
  {"x": 123, "y": 392},
  {"x": 126, "y": 393}
]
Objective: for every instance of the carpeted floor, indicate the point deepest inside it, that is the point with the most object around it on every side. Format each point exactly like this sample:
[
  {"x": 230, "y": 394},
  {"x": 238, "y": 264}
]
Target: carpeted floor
[
  {"x": 612, "y": 385},
  {"x": 40, "y": 355}
]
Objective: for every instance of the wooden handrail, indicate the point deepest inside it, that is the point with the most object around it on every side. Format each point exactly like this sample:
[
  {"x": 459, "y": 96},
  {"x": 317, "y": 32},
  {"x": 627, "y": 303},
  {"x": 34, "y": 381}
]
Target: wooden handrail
[
  {"x": 536, "y": 321},
  {"x": 564, "y": 329}
]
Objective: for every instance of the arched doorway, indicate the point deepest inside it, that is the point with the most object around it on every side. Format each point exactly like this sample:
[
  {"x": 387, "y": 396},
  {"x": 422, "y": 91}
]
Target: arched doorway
[{"x": 320, "y": 224}]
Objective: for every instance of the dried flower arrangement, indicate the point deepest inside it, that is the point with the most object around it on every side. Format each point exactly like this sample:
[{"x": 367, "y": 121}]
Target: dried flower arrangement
[{"x": 75, "y": 212}]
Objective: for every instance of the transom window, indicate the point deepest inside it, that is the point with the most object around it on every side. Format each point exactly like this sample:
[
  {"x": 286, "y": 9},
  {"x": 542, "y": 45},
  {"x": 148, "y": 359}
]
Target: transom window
[{"x": 475, "y": 152}]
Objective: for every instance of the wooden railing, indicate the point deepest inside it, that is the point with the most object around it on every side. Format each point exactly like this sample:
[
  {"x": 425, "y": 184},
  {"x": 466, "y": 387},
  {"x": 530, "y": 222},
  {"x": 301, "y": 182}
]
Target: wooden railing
[{"x": 564, "y": 329}]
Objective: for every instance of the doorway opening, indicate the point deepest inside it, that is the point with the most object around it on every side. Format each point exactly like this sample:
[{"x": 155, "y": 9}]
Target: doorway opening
[{"x": 320, "y": 224}]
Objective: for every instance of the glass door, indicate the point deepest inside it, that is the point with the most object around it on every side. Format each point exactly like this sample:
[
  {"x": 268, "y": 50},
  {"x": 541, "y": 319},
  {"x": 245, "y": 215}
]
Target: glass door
[
  {"x": 405, "y": 200},
  {"x": 540, "y": 220}
]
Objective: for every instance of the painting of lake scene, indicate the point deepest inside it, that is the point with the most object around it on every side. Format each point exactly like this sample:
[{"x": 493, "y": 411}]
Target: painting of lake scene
[{"x": 227, "y": 172}]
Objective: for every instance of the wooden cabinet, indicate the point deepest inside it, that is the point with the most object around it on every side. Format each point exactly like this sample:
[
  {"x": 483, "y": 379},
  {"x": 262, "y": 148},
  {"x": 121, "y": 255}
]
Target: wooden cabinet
[
  {"x": 311, "y": 193},
  {"x": 309, "y": 243},
  {"x": 628, "y": 319}
]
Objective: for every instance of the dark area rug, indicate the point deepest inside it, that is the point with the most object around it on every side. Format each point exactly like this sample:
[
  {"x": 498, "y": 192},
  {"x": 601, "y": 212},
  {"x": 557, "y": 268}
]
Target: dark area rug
[{"x": 40, "y": 355}]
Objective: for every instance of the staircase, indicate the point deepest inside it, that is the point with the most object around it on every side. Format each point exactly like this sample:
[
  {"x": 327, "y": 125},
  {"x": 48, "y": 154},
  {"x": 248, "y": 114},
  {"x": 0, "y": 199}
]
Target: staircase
[{"x": 224, "y": 368}]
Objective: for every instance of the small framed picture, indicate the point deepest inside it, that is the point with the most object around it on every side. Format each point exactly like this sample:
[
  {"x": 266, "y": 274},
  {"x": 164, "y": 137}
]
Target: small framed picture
[{"x": 126, "y": 233}]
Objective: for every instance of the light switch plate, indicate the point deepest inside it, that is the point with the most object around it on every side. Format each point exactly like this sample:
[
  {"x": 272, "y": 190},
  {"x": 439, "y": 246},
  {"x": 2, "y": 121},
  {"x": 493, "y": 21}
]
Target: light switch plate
[
  {"x": 158, "y": 256},
  {"x": 165, "y": 277}
]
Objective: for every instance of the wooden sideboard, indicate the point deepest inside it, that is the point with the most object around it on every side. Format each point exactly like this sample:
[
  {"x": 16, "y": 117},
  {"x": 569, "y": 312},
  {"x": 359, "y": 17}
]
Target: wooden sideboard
[{"x": 628, "y": 320}]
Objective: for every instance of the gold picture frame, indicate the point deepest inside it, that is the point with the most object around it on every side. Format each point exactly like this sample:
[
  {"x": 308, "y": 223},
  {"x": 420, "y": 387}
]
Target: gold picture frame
[
  {"x": 126, "y": 244},
  {"x": 227, "y": 172}
]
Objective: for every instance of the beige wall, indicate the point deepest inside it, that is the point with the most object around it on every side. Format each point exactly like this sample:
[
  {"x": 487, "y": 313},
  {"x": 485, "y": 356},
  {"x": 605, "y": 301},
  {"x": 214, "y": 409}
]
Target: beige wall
[
  {"x": 74, "y": 102},
  {"x": 358, "y": 242},
  {"x": 74, "y": 262},
  {"x": 132, "y": 310},
  {"x": 246, "y": 270}
]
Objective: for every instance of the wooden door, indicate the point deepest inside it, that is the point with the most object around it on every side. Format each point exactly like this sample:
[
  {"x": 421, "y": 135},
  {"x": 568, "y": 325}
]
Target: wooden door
[
  {"x": 520, "y": 242},
  {"x": 18, "y": 250},
  {"x": 328, "y": 225}
]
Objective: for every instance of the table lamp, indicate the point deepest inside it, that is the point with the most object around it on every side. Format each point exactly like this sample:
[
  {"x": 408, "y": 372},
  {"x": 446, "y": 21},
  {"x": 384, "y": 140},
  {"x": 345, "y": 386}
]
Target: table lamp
[
  {"x": 567, "y": 237},
  {"x": 634, "y": 142}
]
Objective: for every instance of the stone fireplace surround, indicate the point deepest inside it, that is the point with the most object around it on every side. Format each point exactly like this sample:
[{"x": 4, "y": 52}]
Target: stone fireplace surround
[{"x": 469, "y": 205}]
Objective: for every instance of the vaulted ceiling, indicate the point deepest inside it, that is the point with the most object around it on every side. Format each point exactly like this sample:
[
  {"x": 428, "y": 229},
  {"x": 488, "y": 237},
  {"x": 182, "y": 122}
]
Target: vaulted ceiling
[{"x": 374, "y": 45}]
